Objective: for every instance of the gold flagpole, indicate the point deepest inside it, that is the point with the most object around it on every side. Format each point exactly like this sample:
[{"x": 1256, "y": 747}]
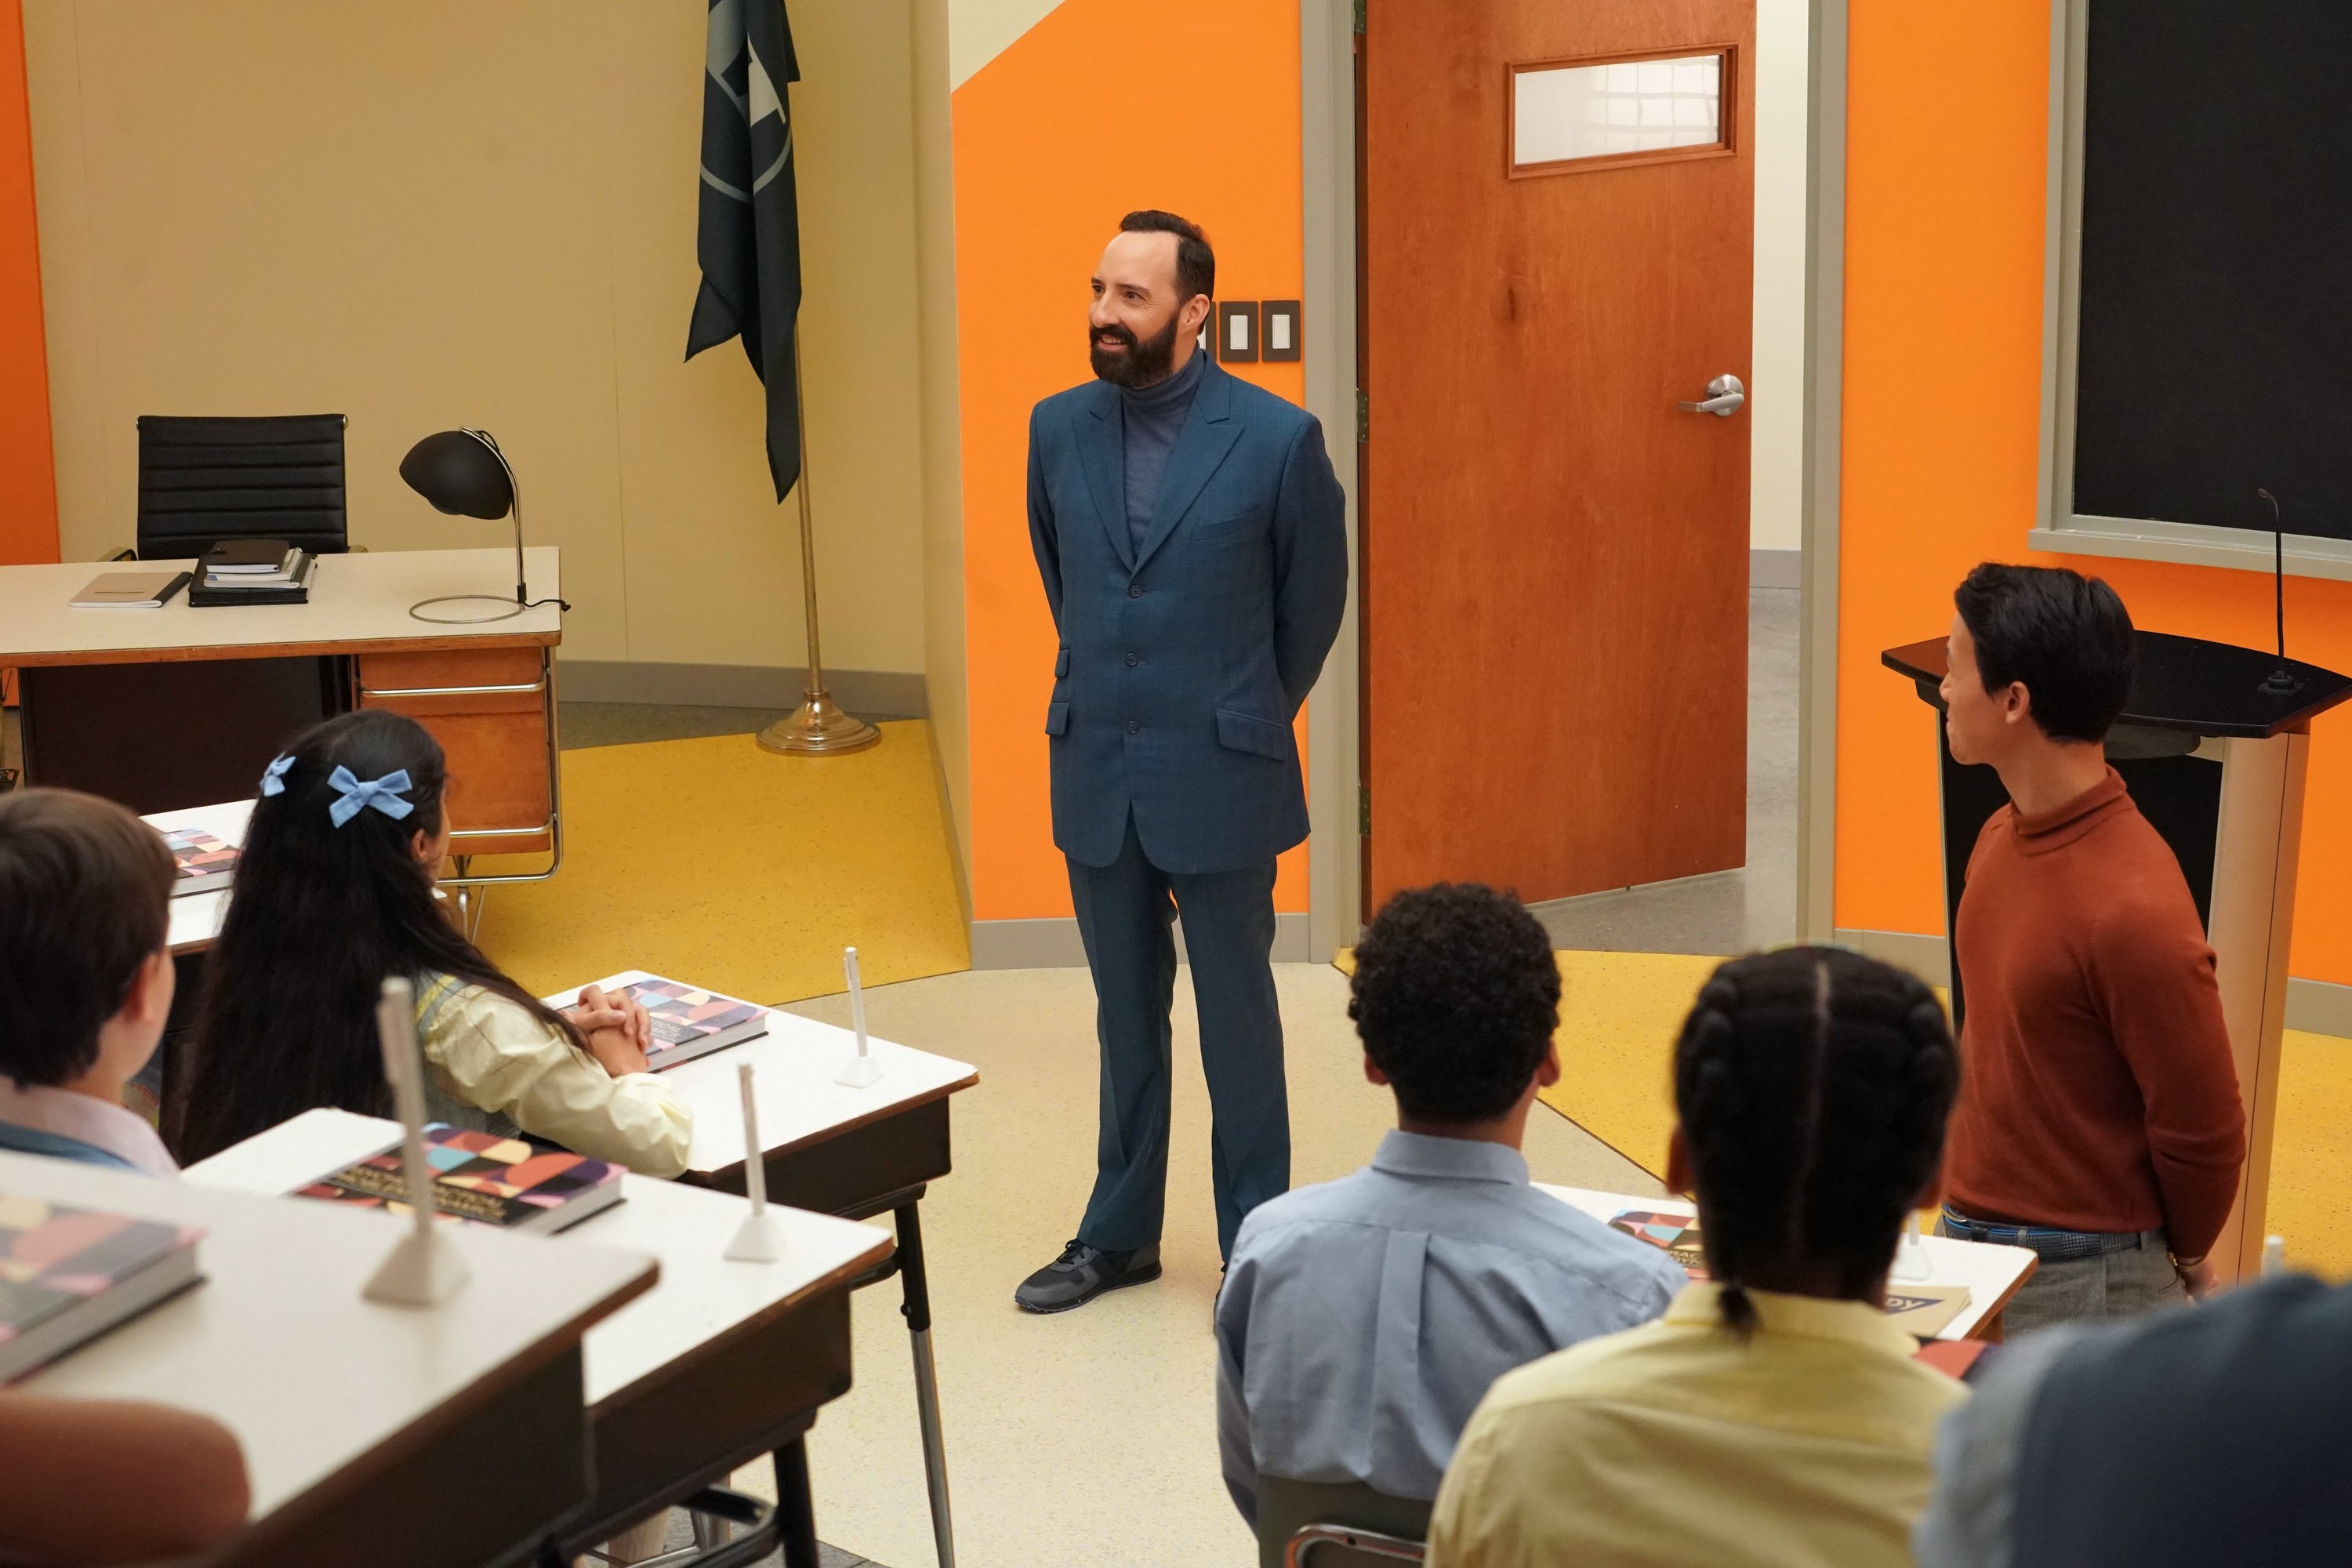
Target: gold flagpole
[{"x": 818, "y": 727}]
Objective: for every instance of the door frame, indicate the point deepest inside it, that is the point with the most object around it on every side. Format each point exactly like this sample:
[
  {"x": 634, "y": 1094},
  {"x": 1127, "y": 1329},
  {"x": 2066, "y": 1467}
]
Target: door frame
[{"x": 1327, "y": 207}]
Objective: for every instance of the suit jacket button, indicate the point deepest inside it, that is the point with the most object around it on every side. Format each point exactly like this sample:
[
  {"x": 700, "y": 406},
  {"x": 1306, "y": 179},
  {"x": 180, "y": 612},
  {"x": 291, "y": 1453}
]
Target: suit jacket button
[
  {"x": 1132, "y": 727},
  {"x": 1132, "y": 661},
  {"x": 1135, "y": 590}
]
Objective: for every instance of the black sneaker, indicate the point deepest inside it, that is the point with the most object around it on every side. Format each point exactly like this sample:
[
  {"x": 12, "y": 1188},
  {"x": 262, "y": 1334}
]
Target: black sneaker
[{"x": 1083, "y": 1273}]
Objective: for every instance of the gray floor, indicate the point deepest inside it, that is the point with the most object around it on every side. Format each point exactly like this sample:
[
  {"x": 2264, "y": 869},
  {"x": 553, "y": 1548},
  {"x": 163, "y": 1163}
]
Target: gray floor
[{"x": 1726, "y": 911}]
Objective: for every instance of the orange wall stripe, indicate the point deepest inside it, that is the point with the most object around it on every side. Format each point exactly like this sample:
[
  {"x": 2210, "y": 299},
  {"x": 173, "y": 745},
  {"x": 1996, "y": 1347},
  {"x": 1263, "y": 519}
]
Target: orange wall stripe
[
  {"x": 1945, "y": 155},
  {"x": 1055, "y": 139},
  {"x": 28, "y": 482}
]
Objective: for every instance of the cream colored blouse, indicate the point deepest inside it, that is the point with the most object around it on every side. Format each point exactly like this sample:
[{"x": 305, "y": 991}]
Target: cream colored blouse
[{"x": 487, "y": 1055}]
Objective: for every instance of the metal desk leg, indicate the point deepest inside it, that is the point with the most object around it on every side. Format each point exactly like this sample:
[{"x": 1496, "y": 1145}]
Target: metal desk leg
[
  {"x": 918, "y": 1312},
  {"x": 795, "y": 1513}
]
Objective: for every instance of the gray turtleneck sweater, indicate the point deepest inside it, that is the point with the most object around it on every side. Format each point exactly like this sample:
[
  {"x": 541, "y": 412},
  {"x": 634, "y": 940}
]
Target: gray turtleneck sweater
[{"x": 1153, "y": 416}]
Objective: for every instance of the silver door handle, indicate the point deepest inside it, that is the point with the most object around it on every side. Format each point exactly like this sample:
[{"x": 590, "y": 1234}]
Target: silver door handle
[{"x": 1724, "y": 394}]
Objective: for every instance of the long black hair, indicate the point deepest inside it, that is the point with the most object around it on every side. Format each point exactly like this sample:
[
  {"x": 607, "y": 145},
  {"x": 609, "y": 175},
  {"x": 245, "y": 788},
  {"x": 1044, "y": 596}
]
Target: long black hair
[
  {"x": 1813, "y": 1085},
  {"x": 319, "y": 916}
]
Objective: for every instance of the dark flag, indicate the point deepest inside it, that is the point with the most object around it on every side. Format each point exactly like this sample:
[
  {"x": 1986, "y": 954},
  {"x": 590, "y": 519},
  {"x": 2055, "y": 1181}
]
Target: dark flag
[{"x": 749, "y": 236}]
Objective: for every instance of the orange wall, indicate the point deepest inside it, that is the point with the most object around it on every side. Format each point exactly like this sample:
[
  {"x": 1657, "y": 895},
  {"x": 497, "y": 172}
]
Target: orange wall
[
  {"x": 1076, "y": 123},
  {"x": 1944, "y": 185},
  {"x": 28, "y": 490}
]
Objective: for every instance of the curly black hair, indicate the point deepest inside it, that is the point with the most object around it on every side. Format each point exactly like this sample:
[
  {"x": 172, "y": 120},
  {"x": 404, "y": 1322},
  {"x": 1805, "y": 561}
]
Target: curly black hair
[{"x": 1456, "y": 998}]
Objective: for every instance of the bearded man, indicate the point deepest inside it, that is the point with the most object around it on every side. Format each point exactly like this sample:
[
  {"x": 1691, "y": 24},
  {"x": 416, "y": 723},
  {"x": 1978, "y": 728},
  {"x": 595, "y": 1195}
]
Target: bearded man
[{"x": 1193, "y": 542}]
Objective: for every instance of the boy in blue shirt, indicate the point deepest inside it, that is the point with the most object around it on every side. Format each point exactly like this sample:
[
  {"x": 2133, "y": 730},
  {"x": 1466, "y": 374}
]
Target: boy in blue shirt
[{"x": 85, "y": 976}]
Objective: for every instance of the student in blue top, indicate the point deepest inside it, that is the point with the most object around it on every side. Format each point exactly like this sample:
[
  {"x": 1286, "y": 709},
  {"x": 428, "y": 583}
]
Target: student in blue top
[
  {"x": 85, "y": 978},
  {"x": 1363, "y": 1319}
]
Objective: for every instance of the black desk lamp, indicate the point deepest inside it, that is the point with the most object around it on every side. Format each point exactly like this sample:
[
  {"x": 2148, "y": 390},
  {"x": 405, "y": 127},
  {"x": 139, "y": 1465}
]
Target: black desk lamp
[
  {"x": 2282, "y": 681},
  {"x": 462, "y": 472}
]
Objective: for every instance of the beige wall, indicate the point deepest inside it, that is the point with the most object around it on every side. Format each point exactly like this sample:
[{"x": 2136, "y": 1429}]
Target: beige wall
[
  {"x": 443, "y": 211},
  {"x": 1778, "y": 350}
]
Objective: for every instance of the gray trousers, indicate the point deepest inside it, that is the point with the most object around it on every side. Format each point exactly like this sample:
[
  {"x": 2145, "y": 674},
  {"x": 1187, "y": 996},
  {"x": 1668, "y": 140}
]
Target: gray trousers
[{"x": 2116, "y": 1285}]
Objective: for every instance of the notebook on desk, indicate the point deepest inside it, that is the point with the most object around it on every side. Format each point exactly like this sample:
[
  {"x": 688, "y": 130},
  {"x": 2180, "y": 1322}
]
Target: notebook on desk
[
  {"x": 688, "y": 1022},
  {"x": 129, "y": 590}
]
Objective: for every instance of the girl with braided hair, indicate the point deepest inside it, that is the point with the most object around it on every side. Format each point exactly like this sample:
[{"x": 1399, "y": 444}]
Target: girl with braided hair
[{"x": 1774, "y": 1415}]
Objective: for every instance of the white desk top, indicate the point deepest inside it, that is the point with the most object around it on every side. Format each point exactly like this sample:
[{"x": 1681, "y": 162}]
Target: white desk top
[
  {"x": 196, "y": 917},
  {"x": 355, "y": 598},
  {"x": 1990, "y": 1272},
  {"x": 702, "y": 1296},
  {"x": 797, "y": 1060},
  {"x": 277, "y": 1342}
]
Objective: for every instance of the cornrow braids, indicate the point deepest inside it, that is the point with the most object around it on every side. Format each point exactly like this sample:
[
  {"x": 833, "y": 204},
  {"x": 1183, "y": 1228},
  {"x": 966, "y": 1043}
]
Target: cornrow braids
[{"x": 1813, "y": 1085}]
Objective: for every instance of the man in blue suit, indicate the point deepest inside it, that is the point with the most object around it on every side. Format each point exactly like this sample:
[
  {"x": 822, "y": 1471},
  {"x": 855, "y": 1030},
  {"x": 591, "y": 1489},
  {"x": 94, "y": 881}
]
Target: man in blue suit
[{"x": 1191, "y": 539}]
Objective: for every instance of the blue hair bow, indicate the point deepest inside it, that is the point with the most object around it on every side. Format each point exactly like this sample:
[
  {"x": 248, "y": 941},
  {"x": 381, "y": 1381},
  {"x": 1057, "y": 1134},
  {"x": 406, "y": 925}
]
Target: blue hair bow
[
  {"x": 273, "y": 777},
  {"x": 383, "y": 794}
]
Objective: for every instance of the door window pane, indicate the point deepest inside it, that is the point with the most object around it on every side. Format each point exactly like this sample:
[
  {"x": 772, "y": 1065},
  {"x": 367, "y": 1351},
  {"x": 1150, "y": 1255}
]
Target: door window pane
[{"x": 1615, "y": 110}]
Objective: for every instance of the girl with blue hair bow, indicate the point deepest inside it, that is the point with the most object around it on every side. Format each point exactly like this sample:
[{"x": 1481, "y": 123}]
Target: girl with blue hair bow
[{"x": 333, "y": 892}]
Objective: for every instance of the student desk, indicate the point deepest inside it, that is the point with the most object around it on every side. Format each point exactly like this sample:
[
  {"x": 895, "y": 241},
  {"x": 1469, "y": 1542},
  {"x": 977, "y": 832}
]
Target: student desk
[
  {"x": 718, "y": 1364},
  {"x": 373, "y": 1435},
  {"x": 854, "y": 1152},
  {"x": 1993, "y": 1274},
  {"x": 166, "y": 708}
]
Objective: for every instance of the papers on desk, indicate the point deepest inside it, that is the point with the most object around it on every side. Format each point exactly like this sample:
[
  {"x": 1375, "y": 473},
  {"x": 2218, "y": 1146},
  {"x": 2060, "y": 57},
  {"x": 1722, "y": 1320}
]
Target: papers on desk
[
  {"x": 68, "y": 1275},
  {"x": 1921, "y": 1310}
]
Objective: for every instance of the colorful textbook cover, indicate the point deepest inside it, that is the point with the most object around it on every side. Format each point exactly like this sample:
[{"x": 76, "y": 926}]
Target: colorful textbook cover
[
  {"x": 68, "y": 1275},
  {"x": 204, "y": 860},
  {"x": 688, "y": 1022},
  {"x": 1922, "y": 1311},
  {"x": 509, "y": 1183}
]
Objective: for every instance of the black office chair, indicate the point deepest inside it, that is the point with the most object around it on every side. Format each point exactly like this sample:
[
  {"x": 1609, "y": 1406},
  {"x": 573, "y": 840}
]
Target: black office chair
[{"x": 203, "y": 480}]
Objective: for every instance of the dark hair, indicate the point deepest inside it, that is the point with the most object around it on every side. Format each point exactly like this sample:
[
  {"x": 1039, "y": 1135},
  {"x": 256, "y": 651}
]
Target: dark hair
[
  {"x": 322, "y": 915},
  {"x": 1812, "y": 1085},
  {"x": 1196, "y": 264},
  {"x": 85, "y": 895},
  {"x": 1455, "y": 996},
  {"x": 2067, "y": 636}
]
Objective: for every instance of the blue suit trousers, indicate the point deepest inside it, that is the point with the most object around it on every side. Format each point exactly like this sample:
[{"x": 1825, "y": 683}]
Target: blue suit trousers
[{"x": 1125, "y": 910}]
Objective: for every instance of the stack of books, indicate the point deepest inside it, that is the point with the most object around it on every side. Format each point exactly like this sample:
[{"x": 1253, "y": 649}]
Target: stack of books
[{"x": 253, "y": 572}]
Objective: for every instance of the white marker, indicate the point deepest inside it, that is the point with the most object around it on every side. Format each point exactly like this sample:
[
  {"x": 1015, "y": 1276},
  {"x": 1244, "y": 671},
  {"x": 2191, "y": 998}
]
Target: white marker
[
  {"x": 759, "y": 1239},
  {"x": 861, "y": 1071},
  {"x": 425, "y": 1268}
]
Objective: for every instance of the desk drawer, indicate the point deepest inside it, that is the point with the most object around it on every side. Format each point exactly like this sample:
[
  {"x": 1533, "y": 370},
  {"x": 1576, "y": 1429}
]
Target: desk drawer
[{"x": 490, "y": 711}]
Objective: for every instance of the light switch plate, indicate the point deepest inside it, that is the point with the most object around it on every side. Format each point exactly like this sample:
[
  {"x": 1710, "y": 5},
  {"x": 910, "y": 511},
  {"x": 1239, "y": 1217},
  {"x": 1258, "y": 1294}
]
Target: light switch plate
[
  {"x": 1237, "y": 331},
  {"x": 1278, "y": 331}
]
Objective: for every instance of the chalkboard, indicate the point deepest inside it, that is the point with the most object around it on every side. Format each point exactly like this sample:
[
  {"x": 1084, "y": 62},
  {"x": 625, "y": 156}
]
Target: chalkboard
[{"x": 2214, "y": 352}]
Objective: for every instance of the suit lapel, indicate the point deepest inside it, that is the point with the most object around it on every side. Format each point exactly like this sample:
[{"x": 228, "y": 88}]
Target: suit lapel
[
  {"x": 1209, "y": 433},
  {"x": 1102, "y": 452}
]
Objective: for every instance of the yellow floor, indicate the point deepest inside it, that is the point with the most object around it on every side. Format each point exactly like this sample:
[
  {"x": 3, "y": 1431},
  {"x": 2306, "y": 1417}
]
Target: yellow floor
[
  {"x": 718, "y": 863},
  {"x": 1620, "y": 1013}
]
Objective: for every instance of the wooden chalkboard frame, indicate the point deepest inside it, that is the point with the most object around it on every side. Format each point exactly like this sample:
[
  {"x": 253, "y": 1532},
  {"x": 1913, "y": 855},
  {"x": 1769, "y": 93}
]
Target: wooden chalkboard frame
[{"x": 2058, "y": 525}]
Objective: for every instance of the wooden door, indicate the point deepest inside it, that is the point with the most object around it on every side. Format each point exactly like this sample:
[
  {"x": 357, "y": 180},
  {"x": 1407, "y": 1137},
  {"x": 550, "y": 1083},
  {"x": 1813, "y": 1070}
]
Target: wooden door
[{"x": 1555, "y": 253}]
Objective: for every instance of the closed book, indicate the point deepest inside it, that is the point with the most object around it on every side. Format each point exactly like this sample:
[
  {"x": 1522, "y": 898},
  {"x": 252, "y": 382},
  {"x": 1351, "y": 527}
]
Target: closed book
[
  {"x": 507, "y": 1183},
  {"x": 68, "y": 1275},
  {"x": 687, "y": 1021},
  {"x": 249, "y": 555},
  {"x": 205, "y": 861},
  {"x": 129, "y": 590},
  {"x": 1920, "y": 1311},
  {"x": 254, "y": 578},
  {"x": 209, "y": 592},
  {"x": 1923, "y": 1311}
]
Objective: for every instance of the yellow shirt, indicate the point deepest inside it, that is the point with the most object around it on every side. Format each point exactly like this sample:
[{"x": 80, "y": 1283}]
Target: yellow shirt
[
  {"x": 1675, "y": 1444},
  {"x": 487, "y": 1052}
]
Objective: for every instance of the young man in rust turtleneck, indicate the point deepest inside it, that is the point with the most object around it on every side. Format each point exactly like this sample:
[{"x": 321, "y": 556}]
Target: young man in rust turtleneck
[{"x": 2098, "y": 1120}]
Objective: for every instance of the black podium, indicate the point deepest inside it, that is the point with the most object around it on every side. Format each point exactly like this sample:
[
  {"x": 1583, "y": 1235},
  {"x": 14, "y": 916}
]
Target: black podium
[{"x": 2215, "y": 762}]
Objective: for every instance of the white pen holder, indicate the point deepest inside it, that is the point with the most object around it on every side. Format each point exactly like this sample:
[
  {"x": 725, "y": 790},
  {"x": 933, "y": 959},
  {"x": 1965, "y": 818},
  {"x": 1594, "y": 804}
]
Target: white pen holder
[
  {"x": 760, "y": 1239},
  {"x": 862, "y": 1071},
  {"x": 425, "y": 1268}
]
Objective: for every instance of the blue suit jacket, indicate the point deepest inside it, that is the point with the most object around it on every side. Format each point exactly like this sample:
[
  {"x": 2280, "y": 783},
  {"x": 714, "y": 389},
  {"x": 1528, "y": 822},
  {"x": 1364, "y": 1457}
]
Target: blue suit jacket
[{"x": 1183, "y": 664}]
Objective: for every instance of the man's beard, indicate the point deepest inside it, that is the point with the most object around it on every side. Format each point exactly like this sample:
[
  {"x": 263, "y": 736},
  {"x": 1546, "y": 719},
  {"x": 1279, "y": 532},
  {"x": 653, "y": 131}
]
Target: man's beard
[{"x": 1143, "y": 363}]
